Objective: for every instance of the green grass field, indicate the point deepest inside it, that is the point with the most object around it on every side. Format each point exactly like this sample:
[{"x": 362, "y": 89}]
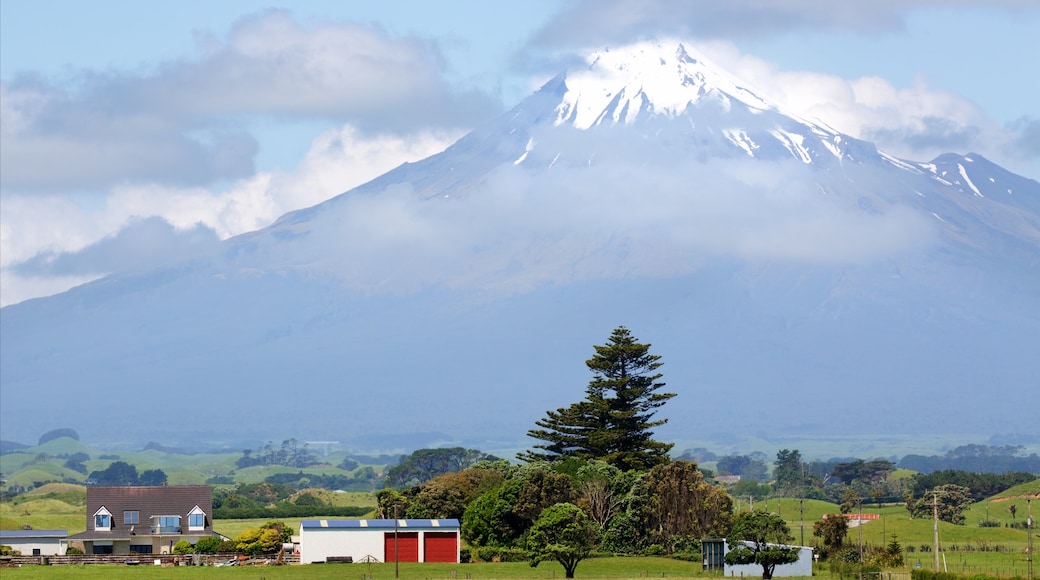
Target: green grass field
[{"x": 595, "y": 568}]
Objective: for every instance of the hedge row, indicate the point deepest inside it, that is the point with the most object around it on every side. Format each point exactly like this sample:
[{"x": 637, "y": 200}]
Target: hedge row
[
  {"x": 288, "y": 511},
  {"x": 931, "y": 575}
]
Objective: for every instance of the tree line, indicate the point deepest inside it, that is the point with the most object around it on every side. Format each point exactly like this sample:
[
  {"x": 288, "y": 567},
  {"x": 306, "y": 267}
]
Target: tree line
[{"x": 596, "y": 480}]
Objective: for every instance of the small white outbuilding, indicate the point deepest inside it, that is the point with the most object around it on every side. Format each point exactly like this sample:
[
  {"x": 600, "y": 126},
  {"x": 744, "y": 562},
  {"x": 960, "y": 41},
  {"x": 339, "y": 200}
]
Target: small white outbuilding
[
  {"x": 379, "y": 541},
  {"x": 803, "y": 567},
  {"x": 35, "y": 542}
]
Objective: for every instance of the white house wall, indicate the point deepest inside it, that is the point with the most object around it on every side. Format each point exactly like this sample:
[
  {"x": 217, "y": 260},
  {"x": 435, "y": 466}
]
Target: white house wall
[
  {"x": 46, "y": 546},
  {"x": 317, "y": 544},
  {"x": 803, "y": 567}
]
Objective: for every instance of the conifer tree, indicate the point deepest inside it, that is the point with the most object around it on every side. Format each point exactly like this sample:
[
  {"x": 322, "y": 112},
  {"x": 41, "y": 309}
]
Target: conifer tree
[{"x": 615, "y": 421}]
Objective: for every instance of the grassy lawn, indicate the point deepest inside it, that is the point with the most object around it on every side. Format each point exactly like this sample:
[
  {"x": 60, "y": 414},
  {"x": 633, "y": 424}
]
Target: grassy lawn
[{"x": 606, "y": 568}]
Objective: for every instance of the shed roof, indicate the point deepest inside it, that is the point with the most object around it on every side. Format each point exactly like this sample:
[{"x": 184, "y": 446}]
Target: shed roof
[
  {"x": 33, "y": 534},
  {"x": 380, "y": 524}
]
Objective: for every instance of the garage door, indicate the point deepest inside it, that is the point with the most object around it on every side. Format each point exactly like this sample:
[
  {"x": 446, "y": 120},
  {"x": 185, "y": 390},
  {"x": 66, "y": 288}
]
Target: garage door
[
  {"x": 407, "y": 547},
  {"x": 440, "y": 547}
]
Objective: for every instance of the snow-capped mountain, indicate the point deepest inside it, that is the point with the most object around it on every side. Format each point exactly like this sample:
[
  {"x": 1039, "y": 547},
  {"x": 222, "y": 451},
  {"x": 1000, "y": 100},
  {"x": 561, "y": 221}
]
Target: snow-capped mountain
[{"x": 786, "y": 272}]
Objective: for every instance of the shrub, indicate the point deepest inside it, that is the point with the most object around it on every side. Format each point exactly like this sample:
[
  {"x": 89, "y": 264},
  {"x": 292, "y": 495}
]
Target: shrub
[
  {"x": 208, "y": 545},
  {"x": 73, "y": 551},
  {"x": 183, "y": 547}
]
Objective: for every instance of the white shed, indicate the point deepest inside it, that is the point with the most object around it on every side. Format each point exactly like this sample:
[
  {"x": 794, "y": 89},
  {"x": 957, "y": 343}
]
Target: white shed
[
  {"x": 803, "y": 567},
  {"x": 35, "y": 542},
  {"x": 379, "y": 541}
]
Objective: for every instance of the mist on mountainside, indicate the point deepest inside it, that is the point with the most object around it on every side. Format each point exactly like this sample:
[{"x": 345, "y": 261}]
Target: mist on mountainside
[{"x": 796, "y": 282}]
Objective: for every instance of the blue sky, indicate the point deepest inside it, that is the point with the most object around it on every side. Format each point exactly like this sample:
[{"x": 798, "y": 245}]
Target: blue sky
[{"x": 213, "y": 118}]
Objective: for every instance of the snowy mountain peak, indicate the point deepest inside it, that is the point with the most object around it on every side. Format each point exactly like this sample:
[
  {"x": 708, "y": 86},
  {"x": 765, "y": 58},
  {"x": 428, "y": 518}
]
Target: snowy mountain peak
[{"x": 650, "y": 77}]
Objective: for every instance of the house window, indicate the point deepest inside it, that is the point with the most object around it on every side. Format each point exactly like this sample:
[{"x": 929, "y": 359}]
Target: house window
[
  {"x": 166, "y": 525},
  {"x": 103, "y": 520},
  {"x": 141, "y": 549},
  {"x": 196, "y": 519},
  {"x": 131, "y": 517},
  {"x": 102, "y": 549},
  {"x": 36, "y": 551}
]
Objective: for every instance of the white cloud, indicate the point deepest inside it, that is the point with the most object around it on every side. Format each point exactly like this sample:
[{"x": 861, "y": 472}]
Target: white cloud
[
  {"x": 339, "y": 159},
  {"x": 915, "y": 122},
  {"x": 616, "y": 220},
  {"x": 594, "y": 22},
  {"x": 186, "y": 123}
]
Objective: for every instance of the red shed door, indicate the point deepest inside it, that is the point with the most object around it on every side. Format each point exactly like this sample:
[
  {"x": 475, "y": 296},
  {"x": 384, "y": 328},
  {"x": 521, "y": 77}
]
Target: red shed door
[
  {"x": 407, "y": 547},
  {"x": 440, "y": 547}
]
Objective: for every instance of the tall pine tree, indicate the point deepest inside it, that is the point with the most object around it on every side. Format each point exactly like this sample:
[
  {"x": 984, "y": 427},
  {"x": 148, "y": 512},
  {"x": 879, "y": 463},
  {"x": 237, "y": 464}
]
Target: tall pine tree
[{"x": 615, "y": 421}]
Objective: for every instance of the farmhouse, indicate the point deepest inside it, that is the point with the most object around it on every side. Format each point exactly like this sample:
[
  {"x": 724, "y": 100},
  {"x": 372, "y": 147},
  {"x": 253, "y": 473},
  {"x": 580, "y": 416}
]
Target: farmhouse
[
  {"x": 35, "y": 542},
  {"x": 145, "y": 519},
  {"x": 379, "y": 541}
]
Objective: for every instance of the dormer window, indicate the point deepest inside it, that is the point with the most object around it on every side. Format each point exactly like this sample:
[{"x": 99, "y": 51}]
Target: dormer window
[
  {"x": 196, "y": 519},
  {"x": 103, "y": 520}
]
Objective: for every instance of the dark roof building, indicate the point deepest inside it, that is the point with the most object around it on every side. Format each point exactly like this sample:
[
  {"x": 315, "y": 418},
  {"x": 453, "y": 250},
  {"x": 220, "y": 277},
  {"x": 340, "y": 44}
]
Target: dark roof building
[{"x": 145, "y": 519}]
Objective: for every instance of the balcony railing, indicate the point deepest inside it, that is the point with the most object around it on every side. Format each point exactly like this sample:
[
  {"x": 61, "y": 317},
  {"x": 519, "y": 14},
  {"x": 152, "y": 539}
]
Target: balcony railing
[{"x": 166, "y": 529}]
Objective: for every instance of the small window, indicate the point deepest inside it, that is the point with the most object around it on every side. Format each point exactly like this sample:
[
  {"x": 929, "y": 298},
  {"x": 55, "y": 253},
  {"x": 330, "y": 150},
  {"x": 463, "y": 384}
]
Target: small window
[
  {"x": 140, "y": 549},
  {"x": 197, "y": 521},
  {"x": 36, "y": 551},
  {"x": 102, "y": 522},
  {"x": 131, "y": 517}
]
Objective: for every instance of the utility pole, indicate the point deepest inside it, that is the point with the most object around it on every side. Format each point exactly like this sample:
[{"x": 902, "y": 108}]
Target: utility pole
[
  {"x": 397, "y": 543},
  {"x": 859, "y": 519},
  {"x": 1029, "y": 536},
  {"x": 801, "y": 520},
  {"x": 935, "y": 520}
]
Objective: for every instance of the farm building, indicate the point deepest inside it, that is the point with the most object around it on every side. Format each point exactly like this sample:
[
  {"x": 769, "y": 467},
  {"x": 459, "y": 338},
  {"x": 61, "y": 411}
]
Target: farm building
[
  {"x": 715, "y": 549},
  {"x": 379, "y": 540},
  {"x": 35, "y": 542}
]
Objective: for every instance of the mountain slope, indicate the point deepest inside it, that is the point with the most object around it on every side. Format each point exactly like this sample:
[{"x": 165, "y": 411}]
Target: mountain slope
[{"x": 795, "y": 280}]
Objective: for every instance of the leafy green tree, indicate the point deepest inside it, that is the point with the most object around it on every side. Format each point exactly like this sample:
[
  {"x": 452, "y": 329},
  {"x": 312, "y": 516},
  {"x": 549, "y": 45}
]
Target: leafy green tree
[
  {"x": 152, "y": 477},
  {"x": 564, "y": 533},
  {"x": 307, "y": 498},
  {"x": 683, "y": 507},
  {"x": 602, "y": 488},
  {"x": 951, "y": 501},
  {"x": 392, "y": 503},
  {"x": 850, "y": 498},
  {"x": 832, "y": 531},
  {"x": 447, "y": 495},
  {"x": 760, "y": 538},
  {"x": 489, "y": 519},
  {"x": 615, "y": 421},
  {"x": 117, "y": 473},
  {"x": 540, "y": 489},
  {"x": 788, "y": 472},
  {"x": 425, "y": 464},
  {"x": 75, "y": 462}
]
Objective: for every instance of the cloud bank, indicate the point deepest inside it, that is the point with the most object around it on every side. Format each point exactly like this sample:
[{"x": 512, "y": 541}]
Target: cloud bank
[{"x": 186, "y": 122}]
